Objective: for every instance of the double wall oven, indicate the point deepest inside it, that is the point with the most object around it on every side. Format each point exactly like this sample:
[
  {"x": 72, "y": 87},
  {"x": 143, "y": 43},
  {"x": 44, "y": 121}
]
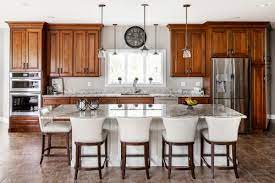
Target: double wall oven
[{"x": 25, "y": 93}]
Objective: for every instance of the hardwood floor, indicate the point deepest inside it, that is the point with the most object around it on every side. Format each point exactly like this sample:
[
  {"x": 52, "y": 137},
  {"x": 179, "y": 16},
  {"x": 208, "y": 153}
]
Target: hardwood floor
[{"x": 20, "y": 155}]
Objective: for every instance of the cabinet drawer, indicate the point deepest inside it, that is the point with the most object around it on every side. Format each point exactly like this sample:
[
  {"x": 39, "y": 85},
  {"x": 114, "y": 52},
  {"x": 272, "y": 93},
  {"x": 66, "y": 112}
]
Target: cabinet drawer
[
  {"x": 136, "y": 100},
  {"x": 55, "y": 101},
  {"x": 74, "y": 100},
  {"x": 201, "y": 100},
  {"x": 108, "y": 100},
  {"x": 24, "y": 124}
]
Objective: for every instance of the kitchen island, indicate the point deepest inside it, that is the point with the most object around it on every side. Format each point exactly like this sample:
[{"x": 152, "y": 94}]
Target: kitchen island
[{"x": 157, "y": 111}]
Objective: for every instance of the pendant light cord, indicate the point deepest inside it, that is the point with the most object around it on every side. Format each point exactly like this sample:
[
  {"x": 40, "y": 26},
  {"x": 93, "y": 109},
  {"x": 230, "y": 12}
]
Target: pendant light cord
[
  {"x": 144, "y": 19},
  {"x": 186, "y": 41},
  {"x": 101, "y": 21},
  {"x": 156, "y": 25},
  {"x": 115, "y": 38}
]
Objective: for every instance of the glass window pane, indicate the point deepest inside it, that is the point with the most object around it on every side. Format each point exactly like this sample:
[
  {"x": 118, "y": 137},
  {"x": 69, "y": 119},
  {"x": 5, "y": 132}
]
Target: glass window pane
[
  {"x": 135, "y": 67},
  {"x": 116, "y": 68},
  {"x": 154, "y": 68}
]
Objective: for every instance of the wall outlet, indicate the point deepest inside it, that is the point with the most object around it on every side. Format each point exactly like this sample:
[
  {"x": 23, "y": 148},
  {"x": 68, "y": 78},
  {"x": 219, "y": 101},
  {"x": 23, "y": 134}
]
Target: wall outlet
[
  {"x": 198, "y": 84},
  {"x": 183, "y": 83},
  {"x": 89, "y": 83}
]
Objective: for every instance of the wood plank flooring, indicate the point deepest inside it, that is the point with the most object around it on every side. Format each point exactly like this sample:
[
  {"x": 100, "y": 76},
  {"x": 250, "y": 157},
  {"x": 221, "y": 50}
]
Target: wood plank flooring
[{"x": 20, "y": 153}]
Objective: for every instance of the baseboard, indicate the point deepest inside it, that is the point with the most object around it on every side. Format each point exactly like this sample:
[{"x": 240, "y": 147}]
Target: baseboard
[{"x": 4, "y": 120}]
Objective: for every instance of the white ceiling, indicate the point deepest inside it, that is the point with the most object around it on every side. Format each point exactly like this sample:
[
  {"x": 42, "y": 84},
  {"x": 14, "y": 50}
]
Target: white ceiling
[{"x": 129, "y": 12}]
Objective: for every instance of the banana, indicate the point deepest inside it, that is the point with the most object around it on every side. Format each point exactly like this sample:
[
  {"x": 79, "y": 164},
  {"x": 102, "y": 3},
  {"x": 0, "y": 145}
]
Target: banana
[{"x": 191, "y": 102}]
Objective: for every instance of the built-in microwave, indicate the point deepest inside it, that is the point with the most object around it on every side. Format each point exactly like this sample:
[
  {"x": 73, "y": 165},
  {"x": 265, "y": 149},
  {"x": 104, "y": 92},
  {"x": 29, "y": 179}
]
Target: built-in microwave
[
  {"x": 27, "y": 81},
  {"x": 24, "y": 103}
]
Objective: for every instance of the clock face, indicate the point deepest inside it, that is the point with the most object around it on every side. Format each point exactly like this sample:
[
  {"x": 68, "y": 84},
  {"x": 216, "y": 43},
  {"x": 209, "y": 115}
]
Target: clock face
[{"x": 135, "y": 37}]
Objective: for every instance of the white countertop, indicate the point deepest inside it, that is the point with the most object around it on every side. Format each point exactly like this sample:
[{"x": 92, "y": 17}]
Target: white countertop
[
  {"x": 120, "y": 95},
  {"x": 143, "y": 110}
]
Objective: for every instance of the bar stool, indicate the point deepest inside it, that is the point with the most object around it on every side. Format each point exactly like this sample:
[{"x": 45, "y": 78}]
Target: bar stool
[
  {"x": 179, "y": 132},
  {"x": 134, "y": 132},
  {"x": 221, "y": 131},
  {"x": 89, "y": 132},
  {"x": 49, "y": 128}
]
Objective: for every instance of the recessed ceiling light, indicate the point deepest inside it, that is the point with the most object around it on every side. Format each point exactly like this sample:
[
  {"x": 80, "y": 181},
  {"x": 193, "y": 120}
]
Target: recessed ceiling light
[{"x": 263, "y": 5}]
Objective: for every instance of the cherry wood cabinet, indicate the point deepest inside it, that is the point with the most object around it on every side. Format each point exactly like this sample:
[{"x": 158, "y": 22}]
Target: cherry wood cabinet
[
  {"x": 72, "y": 50},
  {"x": 258, "y": 46},
  {"x": 26, "y": 48},
  {"x": 56, "y": 101},
  {"x": 201, "y": 100},
  {"x": 194, "y": 66},
  {"x": 24, "y": 124},
  {"x": 258, "y": 97},
  {"x": 86, "y": 62},
  {"x": 230, "y": 42}
]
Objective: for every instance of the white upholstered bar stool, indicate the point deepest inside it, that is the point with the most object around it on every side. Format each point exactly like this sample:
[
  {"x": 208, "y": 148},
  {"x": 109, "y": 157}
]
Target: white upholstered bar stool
[
  {"x": 135, "y": 132},
  {"x": 179, "y": 132},
  {"x": 48, "y": 128},
  {"x": 89, "y": 132},
  {"x": 221, "y": 131}
]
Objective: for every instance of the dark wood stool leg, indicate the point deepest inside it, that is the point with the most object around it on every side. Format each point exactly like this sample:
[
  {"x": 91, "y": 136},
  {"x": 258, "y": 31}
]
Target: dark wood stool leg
[
  {"x": 99, "y": 160},
  {"x": 49, "y": 144},
  {"x": 227, "y": 155},
  {"x": 234, "y": 154},
  {"x": 163, "y": 153},
  {"x": 106, "y": 152},
  {"x": 191, "y": 160},
  {"x": 212, "y": 159},
  {"x": 42, "y": 149},
  {"x": 149, "y": 158},
  {"x": 68, "y": 148},
  {"x": 202, "y": 149},
  {"x": 123, "y": 159},
  {"x": 77, "y": 160},
  {"x": 170, "y": 161},
  {"x": 146, "y": 159}
]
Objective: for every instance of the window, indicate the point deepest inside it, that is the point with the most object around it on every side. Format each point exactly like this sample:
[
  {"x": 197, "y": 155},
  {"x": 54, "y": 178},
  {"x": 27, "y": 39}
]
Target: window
[{"x": 130, "y": 64}]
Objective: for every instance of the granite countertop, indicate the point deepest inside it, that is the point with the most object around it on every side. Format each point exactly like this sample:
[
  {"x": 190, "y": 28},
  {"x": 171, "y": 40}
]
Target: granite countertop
[
  {"x": 120, "y": 95},
  {"x": 143, "y": 110}
]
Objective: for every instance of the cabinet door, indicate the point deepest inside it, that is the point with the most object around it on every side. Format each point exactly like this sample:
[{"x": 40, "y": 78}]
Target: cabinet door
[
  {"x": 93, "y": 64},
  {"x": 239, "y": 43},
  {"x": 34, "y": 49},
  {"x": 79, "y": 61},
  {"x": 66, "y": 53},
  {"x": 219, "y": 42},
  {"x": 179, "y": 65},
  {"x": 259, "y": 45},
  {"x": 18, "y": 49},
  {"x": 53, "y": 52},
  {"x": 258, "y": 97},
  {"x": 135, "y": 100},
  {"x": 197, "y": 44}
]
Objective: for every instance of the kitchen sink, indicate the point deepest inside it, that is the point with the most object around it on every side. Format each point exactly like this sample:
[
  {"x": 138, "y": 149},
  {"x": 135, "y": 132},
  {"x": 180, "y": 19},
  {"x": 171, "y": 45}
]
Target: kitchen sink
[{"x": 131, "y": 93}]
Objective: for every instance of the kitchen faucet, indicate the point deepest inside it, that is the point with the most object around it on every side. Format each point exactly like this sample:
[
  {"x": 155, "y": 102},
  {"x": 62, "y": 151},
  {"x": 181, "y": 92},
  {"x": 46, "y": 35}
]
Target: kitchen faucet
[{"x": 135, "y": 86}]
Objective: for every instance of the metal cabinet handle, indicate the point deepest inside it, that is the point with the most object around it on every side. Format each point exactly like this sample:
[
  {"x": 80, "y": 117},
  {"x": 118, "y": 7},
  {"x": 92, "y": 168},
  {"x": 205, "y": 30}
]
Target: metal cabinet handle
[
  {"x": 24, "y": 65},
  {"x": 58, "y": 70},
  {"x": 232, "y": 52},
  {"x": 61, "y": 70}
]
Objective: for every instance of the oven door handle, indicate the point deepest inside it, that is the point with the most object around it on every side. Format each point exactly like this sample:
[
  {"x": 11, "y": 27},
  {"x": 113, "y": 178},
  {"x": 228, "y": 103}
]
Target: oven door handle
[
  {"x": 25, "y": 94},
  {"x": 24, "y": 79}
]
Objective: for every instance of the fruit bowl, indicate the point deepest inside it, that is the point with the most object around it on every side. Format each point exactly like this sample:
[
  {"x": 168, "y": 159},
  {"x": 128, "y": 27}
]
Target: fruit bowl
[{"x": 190, "y": 102}]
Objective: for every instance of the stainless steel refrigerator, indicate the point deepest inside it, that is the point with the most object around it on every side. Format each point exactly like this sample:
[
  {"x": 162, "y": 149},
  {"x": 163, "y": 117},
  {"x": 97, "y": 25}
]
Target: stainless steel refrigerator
[{"x": 232, "y": 86}]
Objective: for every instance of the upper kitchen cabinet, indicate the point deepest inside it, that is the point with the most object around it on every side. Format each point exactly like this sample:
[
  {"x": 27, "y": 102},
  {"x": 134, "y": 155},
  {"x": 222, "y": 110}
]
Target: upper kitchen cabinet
[
  {"x": 259, "y": 46},
  {"x": 86, "y": 62},
  {"x": 60, "y": 52},
  {"x": 26, "y": 45},
  {"x": 227, "y": 42},
  {"x": 194, "y": 66},
  {"x": 72, "y": 49}
]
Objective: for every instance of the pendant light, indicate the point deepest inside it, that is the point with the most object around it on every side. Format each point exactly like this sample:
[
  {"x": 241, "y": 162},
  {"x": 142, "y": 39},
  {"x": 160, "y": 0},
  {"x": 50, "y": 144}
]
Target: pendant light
[
  {"x": 186, "y": 51},
  {"x": 101, "y": 51},
  {"x": 144, "y": 49},
  {"x": 114, "y": 25},
  {"x": 156, "y": 26}
]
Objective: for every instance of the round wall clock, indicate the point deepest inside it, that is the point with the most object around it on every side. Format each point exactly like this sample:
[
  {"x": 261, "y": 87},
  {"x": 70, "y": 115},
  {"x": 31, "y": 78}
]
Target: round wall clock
[{"x": 135, "y": 37}]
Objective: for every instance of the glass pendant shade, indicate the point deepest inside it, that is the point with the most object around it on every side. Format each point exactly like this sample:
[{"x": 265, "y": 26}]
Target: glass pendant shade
[
  {"x": 101, "y": 53},
  {"x": 144, "y": 50},
  {"x": 186, "y": 53}
]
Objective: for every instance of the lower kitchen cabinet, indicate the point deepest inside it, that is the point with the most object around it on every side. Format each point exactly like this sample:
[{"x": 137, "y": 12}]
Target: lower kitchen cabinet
[
  {"x": 201, "y": 100},
  {"x": 24, "y": 124},
  {"x": 56, "y": 101}
]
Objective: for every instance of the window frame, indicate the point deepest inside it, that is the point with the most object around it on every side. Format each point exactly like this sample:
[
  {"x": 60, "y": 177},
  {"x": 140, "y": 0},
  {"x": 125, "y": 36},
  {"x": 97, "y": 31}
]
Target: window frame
[{"x": 163, "y": 62}]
